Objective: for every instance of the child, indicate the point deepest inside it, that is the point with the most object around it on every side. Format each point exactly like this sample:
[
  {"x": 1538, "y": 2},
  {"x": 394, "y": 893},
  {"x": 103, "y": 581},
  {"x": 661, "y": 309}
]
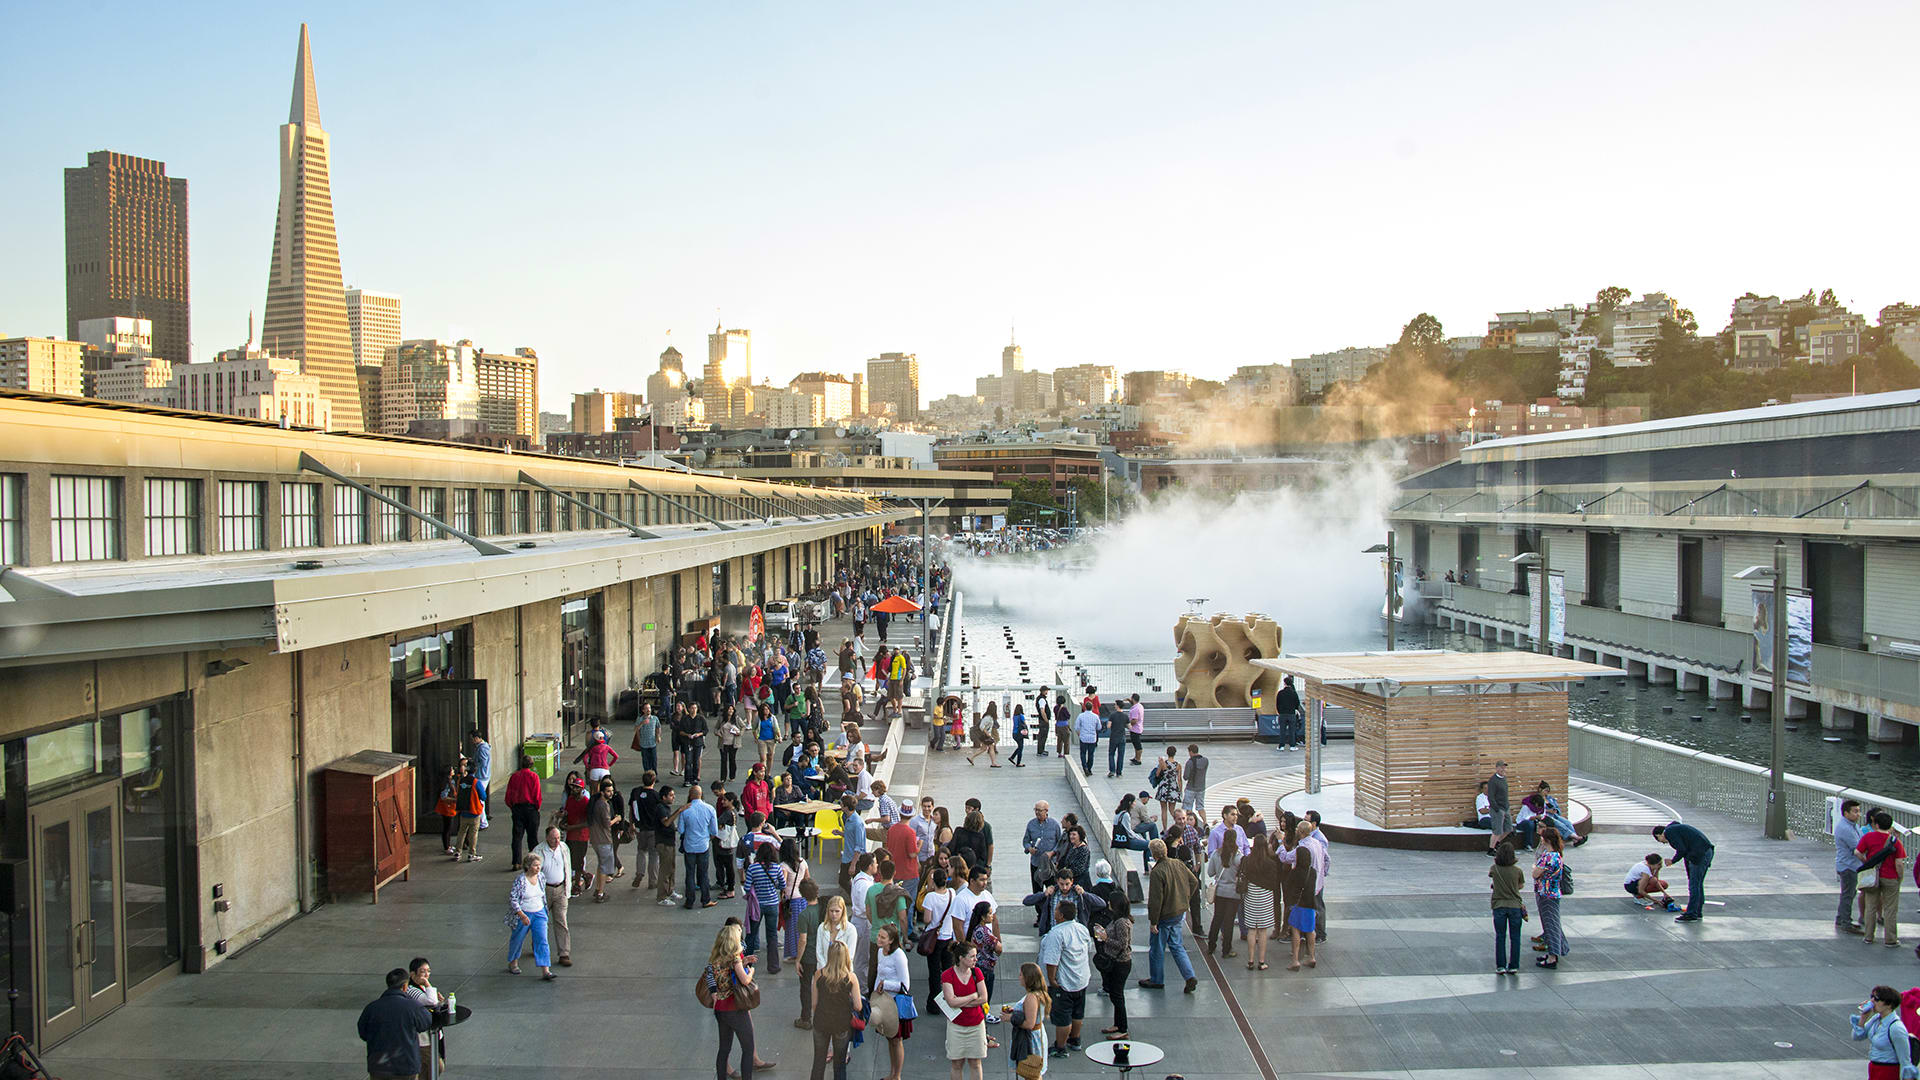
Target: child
[{"x": 1643, "y": 882}]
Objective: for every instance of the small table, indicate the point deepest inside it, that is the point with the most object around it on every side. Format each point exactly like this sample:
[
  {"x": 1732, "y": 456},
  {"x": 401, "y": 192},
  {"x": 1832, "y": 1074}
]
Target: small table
[
  {"x": 1138, "y": 1054},
  {"x": 442, "y": 1021}
]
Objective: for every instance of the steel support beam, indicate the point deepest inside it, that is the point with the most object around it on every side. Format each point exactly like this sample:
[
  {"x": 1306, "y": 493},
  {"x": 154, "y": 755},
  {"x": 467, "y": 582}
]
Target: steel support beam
[
  {"x": 670, "y": 500},
  {"x": 309, "y": 464},
  {"x": 632, "y": 529}
]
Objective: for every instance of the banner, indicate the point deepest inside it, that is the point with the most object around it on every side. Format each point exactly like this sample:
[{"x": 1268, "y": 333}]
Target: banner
[
  {"x": 1556, "y": 606},
  {"x": 1799, "y": 634},
  {"x": 999, "y": 522}
]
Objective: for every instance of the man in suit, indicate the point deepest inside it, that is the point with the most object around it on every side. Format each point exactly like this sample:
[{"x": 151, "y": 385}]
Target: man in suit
[{"x": 1497, "y": 806}]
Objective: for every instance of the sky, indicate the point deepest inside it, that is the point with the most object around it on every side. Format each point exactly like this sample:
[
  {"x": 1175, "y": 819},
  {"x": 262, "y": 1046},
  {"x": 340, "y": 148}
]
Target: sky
[{"x": 1195, "y": 187}]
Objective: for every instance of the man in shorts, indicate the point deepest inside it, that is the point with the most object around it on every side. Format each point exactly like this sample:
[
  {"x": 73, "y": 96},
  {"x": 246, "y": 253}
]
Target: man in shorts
[
  {"x": 1193, "y": 797},
  {"x": 1066, "y": 952}
]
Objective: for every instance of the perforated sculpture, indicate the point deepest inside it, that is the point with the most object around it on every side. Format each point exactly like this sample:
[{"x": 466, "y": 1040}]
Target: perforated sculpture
[{"x": 1214, "y": 667}]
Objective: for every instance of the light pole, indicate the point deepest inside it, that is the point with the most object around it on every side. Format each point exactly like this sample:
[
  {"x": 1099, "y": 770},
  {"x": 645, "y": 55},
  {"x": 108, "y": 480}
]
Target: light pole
[
  {"x": 1776, "y": 815},
  {"x": 1388, "y": 549},
  {"x": 1543, "y": 641}
]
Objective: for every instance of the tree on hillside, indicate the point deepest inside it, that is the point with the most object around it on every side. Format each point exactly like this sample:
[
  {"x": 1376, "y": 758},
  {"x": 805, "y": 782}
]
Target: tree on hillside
[
  {"x": 1611, "y": 297},
  {"x": 1029, "y": 498},
  {"x": 1828, "y": 299},
  {"x": 1421, "y": 332},
  {"x": 1686, "y": 320}
]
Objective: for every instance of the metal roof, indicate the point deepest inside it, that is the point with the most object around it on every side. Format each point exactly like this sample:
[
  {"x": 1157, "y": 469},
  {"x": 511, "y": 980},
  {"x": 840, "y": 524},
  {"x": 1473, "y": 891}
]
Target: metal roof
[
  {"x": 1857, "y": 403},
  {"x": 1434, "y": 667}
]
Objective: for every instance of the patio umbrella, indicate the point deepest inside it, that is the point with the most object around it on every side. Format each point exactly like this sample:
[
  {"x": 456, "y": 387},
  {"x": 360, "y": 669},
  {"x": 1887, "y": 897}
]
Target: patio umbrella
[{"x": 896, "y": 605}]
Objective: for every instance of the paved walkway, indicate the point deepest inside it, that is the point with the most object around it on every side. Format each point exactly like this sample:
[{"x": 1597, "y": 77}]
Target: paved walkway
[{"x": 1761, "y": 988}]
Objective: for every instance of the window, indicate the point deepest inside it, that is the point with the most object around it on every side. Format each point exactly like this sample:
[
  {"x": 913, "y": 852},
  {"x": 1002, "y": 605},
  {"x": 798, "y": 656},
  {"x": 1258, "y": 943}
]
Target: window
[
  {"x": 243, "y": 517},
  {"x": 433, "y": 503},
  {"x": 393, "y": 522},
  {"x": 496, "y": 512},
  {"x": 86, "y": 518},
  {"x": 522, "y": 501},
  {"x": 173, "y": 516},
  {"x": 463, "y": 510},
  {"x": 299, "y": 515},
  {"x": 349, "y": 515},
  {"x": 13, "y": 520},
  {"x": 543, "y": 511}
]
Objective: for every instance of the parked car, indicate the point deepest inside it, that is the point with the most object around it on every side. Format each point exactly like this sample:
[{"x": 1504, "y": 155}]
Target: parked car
[{"x": 777, "y": 615}]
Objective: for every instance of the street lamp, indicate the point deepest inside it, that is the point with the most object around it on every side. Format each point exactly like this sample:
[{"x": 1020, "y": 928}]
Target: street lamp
[
  {"x": 1388, "y": 549},
  {"x": 1542, "y": 642},
  {"x": 1776, "y": 816}
]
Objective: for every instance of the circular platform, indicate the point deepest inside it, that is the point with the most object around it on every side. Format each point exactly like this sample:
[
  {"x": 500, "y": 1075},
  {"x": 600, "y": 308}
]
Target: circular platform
[{"x": 1342, "y": 825}]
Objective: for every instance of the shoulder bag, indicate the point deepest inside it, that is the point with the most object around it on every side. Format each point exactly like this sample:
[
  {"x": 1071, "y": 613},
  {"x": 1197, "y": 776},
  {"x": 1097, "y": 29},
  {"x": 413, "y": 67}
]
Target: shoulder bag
[
  {"x": 703, "y": 988},
  {"x": 929, "y": 942},
  {"x": 1566, "y": 879}
]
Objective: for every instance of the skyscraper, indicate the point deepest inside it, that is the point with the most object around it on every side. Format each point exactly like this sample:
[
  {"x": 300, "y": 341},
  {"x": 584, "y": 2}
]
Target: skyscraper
[
  {"x": 306, "y": 316},
  {"x": 127, "y": 248},
  {"x": 725, "y": 384},
  {"x": 510, "y": 391},
  {"x": 894, "y": 379},
  {"x": 373, "y": 322}
]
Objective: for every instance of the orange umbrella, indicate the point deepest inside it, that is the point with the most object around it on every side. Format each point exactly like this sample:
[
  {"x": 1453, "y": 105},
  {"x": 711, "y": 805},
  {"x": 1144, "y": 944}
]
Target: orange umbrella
[{"x": 896, "y": 605}]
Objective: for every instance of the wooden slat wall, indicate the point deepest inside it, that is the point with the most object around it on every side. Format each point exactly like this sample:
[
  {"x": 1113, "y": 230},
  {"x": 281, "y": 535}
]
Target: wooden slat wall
[{"x": 1417, "y": 761}]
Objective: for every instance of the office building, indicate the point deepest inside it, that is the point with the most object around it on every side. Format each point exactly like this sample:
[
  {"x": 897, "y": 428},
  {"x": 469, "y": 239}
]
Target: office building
[
  {"x": 893, "y": 385},
  {"x": 1012, "y": 359},
  {"x": 306, "y": 315},
  {"x": 42, "y": 365},
  {"x": 247, "y": 382},
  {"x": 667, "y": 389},
  {"x": 1058, "y": 463},
  {"x": 206, "y": 616},
  {"x": 509, "y": 391},
  {"x": 373, "y": 322},
  {"x": 118, "y": 363},
  {"x": 836, "y": 393},
  {"x": 789, "y": 408},
  {"x": 1086, "y": 384},
  {"x": 127, "y": 248},
  {"x": 596, "y": 411},
  {"x": 726, "y": 383},
  {"x": 428, "y": 380}
]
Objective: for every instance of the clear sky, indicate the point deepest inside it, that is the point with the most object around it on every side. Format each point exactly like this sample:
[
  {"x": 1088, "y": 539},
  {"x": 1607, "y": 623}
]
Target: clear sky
[{"x": 1196, "y": 186}]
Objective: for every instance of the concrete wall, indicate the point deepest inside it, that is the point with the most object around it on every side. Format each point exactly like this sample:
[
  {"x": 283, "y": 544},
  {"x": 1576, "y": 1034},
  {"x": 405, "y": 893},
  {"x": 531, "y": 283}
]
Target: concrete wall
[
  {"x": 346, "y": 706},
  {"x": 243, "y": 730}
]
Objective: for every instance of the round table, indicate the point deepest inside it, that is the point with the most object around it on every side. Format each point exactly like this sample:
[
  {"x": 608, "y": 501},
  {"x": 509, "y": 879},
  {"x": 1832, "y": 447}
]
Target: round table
[
  {"x": 441, "y": 1021},
  {"x": 1138, "y": 1054}
]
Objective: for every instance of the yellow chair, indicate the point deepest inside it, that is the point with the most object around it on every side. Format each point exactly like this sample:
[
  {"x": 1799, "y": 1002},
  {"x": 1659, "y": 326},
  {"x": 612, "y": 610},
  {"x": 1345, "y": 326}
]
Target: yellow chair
[{"x": 826, "y": 826}]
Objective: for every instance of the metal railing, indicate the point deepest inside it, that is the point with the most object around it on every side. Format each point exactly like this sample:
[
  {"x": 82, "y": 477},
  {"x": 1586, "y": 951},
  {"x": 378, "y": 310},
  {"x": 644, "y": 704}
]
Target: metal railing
[
  {"x": 943, "y": 671},
  {"x": 1711, "y": 782}
]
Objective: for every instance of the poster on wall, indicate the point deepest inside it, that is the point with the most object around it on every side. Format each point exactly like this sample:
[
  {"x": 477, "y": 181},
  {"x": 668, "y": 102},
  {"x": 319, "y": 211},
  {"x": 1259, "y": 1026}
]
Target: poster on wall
[
  {"x": 999, "y": 522},
  {"x": 1799, "y": 634},
  {"x": 1556, "y": 607}
]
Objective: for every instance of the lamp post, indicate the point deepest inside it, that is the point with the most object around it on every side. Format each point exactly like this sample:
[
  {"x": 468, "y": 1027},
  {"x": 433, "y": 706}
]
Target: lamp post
[
  {"x": 1543, "y": 641},
  {"x": 1388, "y": 549},
  {"x": 1776, "y": 813}
]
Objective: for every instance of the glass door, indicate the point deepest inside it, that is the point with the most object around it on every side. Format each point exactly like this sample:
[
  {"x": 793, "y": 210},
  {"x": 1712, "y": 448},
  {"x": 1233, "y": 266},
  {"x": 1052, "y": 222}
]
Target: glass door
[{"x": 77, "y": 906}]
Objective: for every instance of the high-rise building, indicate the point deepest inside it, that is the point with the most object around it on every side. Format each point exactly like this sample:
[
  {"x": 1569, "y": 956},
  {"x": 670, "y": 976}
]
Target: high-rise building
[
  {"x": 1086, "y": 384},
  {"x": 667, "y": 389},
  {"x": 595, "y": 411},
  {"x": 127, "y": 248},
  {"x": 893, "y": 379},
  {"x": 510, "y": 391},
  {"x": 428, "y": 380},
  {"x": 246, "y": 382},
  {"x": 726, "y": 384},
  {"x": 373, "y": 322},
  {"x": 835, "y": 391},
  {"x": 792, "y": 408},
  {"x": 43, "y": 365},
  {"x": 306, "y": 316},
  {"x": 1012, "y": 359}
]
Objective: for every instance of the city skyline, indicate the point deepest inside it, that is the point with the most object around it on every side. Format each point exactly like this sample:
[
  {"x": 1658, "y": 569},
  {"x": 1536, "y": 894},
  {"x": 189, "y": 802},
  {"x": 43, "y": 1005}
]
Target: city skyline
[{"x": 807, "y": 226}]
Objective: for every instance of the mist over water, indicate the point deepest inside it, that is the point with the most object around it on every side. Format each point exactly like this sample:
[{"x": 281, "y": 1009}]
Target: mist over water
[{"x": 1294, "y": 555}]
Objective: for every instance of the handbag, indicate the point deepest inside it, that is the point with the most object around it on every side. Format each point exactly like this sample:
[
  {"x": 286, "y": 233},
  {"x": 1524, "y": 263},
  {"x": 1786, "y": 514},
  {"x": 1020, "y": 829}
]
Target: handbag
[
  {"x": 703, "y": 988},
  {"x": 747, "y": 996},
  {"x": 904, "y": 1006},
  {"x": 929, "y": 942},
  {"x": 1566, "y": 880},
  {"x": 1030, "y": 1067},
  {"x": 444, "y": 807}
]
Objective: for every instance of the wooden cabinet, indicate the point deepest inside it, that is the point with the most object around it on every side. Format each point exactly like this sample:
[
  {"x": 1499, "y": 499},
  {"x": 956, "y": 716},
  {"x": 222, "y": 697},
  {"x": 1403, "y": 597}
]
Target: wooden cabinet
[{"x": 368, "y": 806}]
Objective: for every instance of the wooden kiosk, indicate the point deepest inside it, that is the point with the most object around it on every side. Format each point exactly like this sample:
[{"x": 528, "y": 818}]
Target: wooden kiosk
[{"x": 1428, "y": 725}]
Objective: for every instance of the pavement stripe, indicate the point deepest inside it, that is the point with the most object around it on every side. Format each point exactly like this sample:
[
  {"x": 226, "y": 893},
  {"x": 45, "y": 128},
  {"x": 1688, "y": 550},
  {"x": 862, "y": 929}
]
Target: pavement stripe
[{"x": 1239, "y": 1018}]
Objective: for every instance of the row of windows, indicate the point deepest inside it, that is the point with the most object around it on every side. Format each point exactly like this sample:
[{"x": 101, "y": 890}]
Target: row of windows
[{"x": 86, "y": 514}]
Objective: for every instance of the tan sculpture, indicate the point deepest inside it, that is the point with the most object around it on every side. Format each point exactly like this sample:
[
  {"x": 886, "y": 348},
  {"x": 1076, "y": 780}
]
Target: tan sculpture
[{"x": 1214, "y": 666}]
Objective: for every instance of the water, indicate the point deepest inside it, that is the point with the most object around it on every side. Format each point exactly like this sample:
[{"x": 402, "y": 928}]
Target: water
[{"x": 1045, "y": 638}]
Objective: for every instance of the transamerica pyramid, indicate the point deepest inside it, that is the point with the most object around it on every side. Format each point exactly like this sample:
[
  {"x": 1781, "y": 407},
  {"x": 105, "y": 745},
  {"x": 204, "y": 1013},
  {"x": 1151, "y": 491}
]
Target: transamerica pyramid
[{"x": 306, "y": 317}]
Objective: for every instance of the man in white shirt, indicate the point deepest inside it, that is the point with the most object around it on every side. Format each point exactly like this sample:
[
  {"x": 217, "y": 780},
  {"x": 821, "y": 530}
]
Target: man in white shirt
[
  {"x": 554, "y": 864},
  {"x": 857, "y": 913},
  {"x": 1066, "y": 954},
  {"x": 1087, "y": 727},
  {"x": 923, "y": 826},
  {"x": 1322, "y": 865}
]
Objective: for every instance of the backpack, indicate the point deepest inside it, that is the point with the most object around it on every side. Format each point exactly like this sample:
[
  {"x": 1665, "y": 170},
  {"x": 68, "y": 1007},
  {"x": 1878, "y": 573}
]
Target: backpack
[{"x": 1566, "y": 880}]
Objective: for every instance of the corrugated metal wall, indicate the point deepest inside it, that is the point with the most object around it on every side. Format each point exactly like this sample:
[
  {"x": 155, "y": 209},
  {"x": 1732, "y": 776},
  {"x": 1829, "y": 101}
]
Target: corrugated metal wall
[
  {"x": 1893, "y": 591},
  {"x": 1496, "y": 547},
  {"x": 1567, "y": 553},
  {"x": 1738, "y": 553},
  {"x": 1649, "y": 574}
]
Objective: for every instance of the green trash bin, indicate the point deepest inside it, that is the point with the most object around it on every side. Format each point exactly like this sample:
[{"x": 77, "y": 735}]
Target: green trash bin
[{"x": 544, "y": 752}]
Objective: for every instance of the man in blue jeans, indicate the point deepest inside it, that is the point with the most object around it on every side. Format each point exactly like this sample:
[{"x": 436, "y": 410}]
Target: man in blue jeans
[
  {"x": 1691, "y": 846},
  {"x": 1116, "y": 722},
  {"x": 1087, "y": 727},
  {"x": 697, "y": 828},
  {"x": 1293, "y": 722},
  {"x": 1168, "y": 888}
]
